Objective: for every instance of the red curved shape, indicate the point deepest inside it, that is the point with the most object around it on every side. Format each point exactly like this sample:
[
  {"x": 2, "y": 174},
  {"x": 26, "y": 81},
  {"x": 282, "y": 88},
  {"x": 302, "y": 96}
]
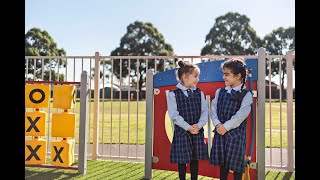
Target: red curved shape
[{"x": 161, "y": 143}]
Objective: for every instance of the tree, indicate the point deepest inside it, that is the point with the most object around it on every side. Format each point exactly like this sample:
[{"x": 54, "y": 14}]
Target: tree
[
  {"x": 141, "y": 39},
  {"x": 231, "y": 35},
  {"x": 279, "y": 42},
  {"x": 40, "y": 43}
]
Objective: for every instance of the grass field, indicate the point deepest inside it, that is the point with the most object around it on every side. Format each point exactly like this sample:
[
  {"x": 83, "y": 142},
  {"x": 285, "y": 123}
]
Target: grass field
[
  {"x": 125, "y": 121},
  {"x": 122, "y": 170}
]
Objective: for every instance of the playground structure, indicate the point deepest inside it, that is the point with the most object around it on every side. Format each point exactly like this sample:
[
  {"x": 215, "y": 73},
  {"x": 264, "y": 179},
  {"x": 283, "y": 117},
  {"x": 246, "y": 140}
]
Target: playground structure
[
  {"x": 97, "y": 119},
  {"x": 209, "y": 81}
]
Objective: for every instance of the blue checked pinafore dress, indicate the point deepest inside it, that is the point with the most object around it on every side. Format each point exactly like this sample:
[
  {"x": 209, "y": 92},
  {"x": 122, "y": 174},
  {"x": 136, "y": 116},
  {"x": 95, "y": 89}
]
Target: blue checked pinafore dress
[
  {"x": 228, "y": 150},
  {"x": 186, "y": 146}
]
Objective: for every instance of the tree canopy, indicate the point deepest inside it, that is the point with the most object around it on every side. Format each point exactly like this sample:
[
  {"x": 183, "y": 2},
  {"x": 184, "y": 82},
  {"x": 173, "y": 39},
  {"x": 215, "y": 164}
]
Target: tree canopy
[
  {"x": 231, "y": 35},
  {"x": 40, "y": 43},
  {"x": 141, "y": 39},
  {"x": 279, "y": 42}
]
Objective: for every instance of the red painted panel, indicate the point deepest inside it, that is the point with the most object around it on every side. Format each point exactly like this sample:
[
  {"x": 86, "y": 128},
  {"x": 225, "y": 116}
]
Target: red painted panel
[{"x": 161, "y": 143}]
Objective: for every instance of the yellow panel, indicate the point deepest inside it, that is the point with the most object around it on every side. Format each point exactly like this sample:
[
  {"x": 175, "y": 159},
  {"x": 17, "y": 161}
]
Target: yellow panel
[
  {"x": 35, "y": 123},
  {"x": 37, "y": 95},
  {"x": 63, "y": 124},
  {"x": 62, "y": 153},
  {"x": 64, "y": 96},
  {"x": 35, "y": 151}
]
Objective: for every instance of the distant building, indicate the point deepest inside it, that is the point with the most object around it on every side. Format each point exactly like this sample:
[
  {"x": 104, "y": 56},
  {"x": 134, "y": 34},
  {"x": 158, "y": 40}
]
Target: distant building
[
  {"x": 131, "y": 92},
  {"x": 275, "y": 91},
  {"x": 126, "y": 92}
]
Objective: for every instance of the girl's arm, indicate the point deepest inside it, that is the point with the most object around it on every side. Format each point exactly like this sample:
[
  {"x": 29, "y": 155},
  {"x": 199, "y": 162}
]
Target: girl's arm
[
  {"x": 173, "y": 113},
  {"x": 241, "y": 114},
  {"x": 204, "y": 112},
  {"x": 213, "y": 111}
]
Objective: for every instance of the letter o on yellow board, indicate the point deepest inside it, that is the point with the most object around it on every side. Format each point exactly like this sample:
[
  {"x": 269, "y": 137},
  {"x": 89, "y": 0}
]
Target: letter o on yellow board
[{"x": 37, "y": 95}]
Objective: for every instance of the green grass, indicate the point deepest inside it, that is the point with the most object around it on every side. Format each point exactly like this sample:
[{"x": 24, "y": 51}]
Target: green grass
[
  {"x": 121, "y": 170},
  {"x": 276, "y": 140},
  {"x": 276, "y": 121},
  {"x": 135, "y": 123}
]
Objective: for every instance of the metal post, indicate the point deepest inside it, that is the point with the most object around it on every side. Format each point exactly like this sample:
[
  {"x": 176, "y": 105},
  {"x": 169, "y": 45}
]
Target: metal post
[
  {"x": 209, "y": 124},
  {"x": 290, "y": 110},
  {"x": 260, "y": 133},
  {"x": 96, "y": 106},
  {"x": 149, "y": 125},
  {"x": 83, "y": 124}
]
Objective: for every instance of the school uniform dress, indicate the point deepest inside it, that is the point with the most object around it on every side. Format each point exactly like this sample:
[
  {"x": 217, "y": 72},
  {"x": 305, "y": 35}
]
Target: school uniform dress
[
  {"x": 188, "y": 108},
  {"x": 228, "y": 150}
]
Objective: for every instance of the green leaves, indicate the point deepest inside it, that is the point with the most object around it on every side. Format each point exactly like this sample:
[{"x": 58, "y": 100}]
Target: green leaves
[
  {"x": 231, "y": 35},
  {"x": 141, "y": 39},
  {"x": 40, "y": 43}
]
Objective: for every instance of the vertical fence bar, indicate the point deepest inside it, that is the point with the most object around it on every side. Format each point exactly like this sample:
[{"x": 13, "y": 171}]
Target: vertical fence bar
[
  {"x": 260, "y": 134},
  {"x": 34, "y": 69},
  {"x": 58, "y": 67},
  {"x": 27, "y": 69},
  {"x": 83, "y": 124},
  {"x": 90, "y": 90},
  {"x": 49, "y": 110},
  {"x": 66, "y": 77},
  {"x": 280, "y": 97},
  {"x": 50, "y": 69},
  {"x": 129, "y": 99},
  {"x": 149, "y": 125},
  {"x": 42, "y": 69},
  {"x": 111, "y": 107},
  {"x": 96, "y": 107},
  {"x": 102, "y": 111},
  {"x": 290, "y": 110},
  {"x": 138, "y": 97},
  {"x": 209, "y": 124},
  {"x": 147, "y": 65},
  {"x": 74, "y": 69},
  {"x": 120, "y": 97},
  {"x": 164, "y": 62},
  {"x": 81, "y": 64},
  {"x": 270, "y": 110}
]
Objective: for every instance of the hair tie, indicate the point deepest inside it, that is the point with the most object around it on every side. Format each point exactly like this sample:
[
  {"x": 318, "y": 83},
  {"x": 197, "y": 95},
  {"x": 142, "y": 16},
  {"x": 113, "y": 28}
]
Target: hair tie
[
  {"x": 181, "y": 64},
  {"x": 239, "y": 65}
]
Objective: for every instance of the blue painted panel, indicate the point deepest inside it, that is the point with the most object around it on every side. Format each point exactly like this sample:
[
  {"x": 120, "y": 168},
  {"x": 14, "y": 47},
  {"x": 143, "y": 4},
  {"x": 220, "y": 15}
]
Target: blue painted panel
[{"x": 209, "y": 72}]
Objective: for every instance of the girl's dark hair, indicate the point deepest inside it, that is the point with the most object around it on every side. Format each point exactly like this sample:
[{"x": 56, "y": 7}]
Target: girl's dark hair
[
  {"x": 185, "y": 67},
  {"x": 237, "y": 66}
]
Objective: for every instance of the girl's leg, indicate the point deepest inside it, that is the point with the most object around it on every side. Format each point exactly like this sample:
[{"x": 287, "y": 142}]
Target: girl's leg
[
  {"x": 223, "y": 173},
  {"x": 194, "y": 169},
  {"x": 237, "y": 175},
  {"x": 182, "y": 171}
]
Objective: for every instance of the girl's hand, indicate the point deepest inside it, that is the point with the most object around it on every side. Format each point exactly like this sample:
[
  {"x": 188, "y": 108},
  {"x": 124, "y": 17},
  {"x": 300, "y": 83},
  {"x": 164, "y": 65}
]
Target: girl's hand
[
  {"x": 221, "y": 129},
  {"x": 193, "y": 130},
  {"x": 196, "y": 126}
]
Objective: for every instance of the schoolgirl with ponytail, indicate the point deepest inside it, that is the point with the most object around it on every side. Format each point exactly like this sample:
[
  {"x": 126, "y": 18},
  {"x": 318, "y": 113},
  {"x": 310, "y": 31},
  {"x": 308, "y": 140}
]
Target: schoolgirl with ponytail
[
  {"x": 188, "y": 109},
  {"x": 229, "y": 110}
]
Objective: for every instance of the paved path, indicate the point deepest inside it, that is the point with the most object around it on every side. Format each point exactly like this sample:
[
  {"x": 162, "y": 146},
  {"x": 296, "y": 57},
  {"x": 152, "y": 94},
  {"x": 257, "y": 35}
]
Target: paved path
[{"x": 135, "y": 153}]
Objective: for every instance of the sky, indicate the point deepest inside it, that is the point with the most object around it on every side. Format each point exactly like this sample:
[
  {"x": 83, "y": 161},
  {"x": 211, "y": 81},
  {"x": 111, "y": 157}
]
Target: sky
[{"x": 84, "y": 27}]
